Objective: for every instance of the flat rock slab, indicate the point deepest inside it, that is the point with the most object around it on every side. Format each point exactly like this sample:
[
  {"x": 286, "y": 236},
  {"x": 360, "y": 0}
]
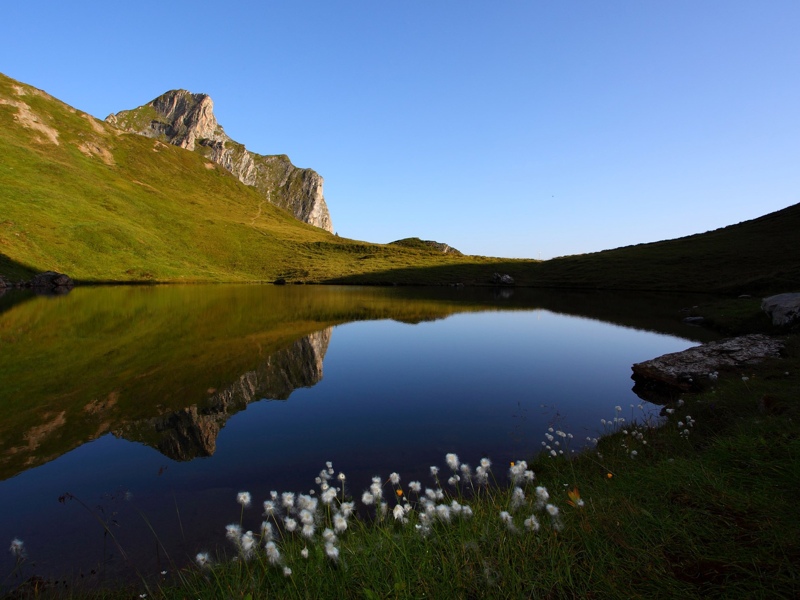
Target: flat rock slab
[{"x": 690, "y": 369}]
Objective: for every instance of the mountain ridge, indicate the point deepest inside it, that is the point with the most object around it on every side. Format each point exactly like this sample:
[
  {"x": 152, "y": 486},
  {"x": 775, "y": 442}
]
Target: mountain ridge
[{"x": 187, "y": 120}]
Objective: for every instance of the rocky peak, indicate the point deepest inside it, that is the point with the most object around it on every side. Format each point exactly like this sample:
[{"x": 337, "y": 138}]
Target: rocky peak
[{"x": 187, "y": 120}]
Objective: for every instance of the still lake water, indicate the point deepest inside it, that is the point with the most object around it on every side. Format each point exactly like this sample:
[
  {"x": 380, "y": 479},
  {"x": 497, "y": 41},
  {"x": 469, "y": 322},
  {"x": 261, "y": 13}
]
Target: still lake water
[{"x": 155, "y": 406}]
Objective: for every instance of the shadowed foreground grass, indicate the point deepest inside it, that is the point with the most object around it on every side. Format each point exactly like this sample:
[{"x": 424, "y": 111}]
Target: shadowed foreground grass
[{"x": 698, "y": 504}]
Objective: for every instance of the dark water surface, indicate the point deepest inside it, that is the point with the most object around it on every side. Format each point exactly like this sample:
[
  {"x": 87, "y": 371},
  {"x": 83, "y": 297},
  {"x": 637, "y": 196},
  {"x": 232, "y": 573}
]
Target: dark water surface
[{"x": 154, "y": 406}]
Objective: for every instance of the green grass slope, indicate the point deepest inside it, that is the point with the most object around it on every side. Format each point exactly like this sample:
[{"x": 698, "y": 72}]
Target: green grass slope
[{"x": 760, "y": 256}]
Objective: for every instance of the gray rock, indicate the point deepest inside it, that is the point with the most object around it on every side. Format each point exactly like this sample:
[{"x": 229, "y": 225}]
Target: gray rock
[
  {"x": 783, "y": 309},
  {"x": 187, "y": 120},
  {"x": 499, "y": 279},
  {"x": 690, "y": 369},
  {"x": 51, "y": 280}
]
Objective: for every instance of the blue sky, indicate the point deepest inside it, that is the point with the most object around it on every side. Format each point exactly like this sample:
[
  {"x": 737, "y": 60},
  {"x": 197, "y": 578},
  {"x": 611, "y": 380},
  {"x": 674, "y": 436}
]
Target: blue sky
[{"x": 533, "y": 128}]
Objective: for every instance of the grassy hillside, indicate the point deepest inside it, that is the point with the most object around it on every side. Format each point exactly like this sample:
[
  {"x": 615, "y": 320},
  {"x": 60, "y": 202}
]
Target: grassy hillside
[{"x": 81, "y": 197}]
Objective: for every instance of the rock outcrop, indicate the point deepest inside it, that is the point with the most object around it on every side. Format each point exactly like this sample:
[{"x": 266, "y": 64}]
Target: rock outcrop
[
  {"x": 192, "y": 432},
  {"x": 783, "y": 309},
  {"x": 187, "y": 120},
  {"x": 691, "y": 369}
]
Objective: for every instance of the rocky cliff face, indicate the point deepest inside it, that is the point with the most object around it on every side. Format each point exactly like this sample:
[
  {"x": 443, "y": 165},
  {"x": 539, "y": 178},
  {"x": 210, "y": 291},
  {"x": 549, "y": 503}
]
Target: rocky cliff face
[
  {"x": 187, "y": 120},
  {"x": 192, "y": 431}
]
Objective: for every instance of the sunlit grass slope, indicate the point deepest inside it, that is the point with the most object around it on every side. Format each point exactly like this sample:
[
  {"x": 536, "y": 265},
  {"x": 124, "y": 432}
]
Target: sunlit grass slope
[{"x": 81, "y": 197}]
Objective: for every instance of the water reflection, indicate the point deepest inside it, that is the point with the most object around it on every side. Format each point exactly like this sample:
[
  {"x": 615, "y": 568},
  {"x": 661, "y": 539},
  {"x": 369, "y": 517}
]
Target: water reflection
[{"x": 192, "y": 431}]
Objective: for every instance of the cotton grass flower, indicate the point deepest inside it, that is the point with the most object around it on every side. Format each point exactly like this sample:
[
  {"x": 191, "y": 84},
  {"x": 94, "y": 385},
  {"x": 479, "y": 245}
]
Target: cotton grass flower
[
  {"x": 339, "y": 523},
  {"x": 304, "y": 552},
  {"x": 203, "y": 560},
  {"x": 443, "y": 513},
  {"x": 287, "y": 572},
  {"x": 308, "y": 530},
  {"x": 394, "y": 478},
  {"x": 267, "y": 532},
  {"x": 368, "y": 498},
  {"x": 248, "y": 544},
  {"x": 532, "y": 524},
  {"x": 273, "y": 554},
  {"x": 506, "y": 518},
  {"x": 244, "y": 499},
  {"x": 452, "y": 461},
  {"x": 290, "y": 524},
  {"x": 328, "y": 496},
  {"x": 332, "y": 552},
  {"x": 542, "y": 496},
  {"x": 329, "y": 536},
  {"x": 517, "y": 498},
  {"x": 233, "y": 532},
  {"x": 270, "y": 509},
  {"x": 399, "y": 514},
  {"x": 17, "y": 548},
  {"x": 287, "y": 499},
  {"x": 415, "y": 486}
]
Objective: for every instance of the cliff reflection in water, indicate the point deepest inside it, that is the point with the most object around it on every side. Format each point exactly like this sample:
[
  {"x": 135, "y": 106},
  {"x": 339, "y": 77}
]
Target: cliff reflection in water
[
  {"x": 192, "y": 432},
  {"x": 166, "y": 365}
]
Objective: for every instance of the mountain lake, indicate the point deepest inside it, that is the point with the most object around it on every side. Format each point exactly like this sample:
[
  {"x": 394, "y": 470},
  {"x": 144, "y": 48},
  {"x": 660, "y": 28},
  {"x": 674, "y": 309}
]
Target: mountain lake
[{"x": 133, "y": 415}]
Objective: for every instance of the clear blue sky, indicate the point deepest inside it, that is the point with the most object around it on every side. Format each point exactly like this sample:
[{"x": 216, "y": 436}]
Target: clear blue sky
[{"x": 532, "y": 128}]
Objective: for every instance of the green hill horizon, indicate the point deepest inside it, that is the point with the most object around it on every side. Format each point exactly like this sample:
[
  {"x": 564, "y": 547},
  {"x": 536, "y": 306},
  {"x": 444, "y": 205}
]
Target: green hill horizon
[{"x": 81, "y": 197}]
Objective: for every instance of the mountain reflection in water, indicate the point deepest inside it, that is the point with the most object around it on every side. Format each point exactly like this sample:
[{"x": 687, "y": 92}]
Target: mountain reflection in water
[
  {"x": 183, "y": 369},
  {"x": 192, "y": 431}
]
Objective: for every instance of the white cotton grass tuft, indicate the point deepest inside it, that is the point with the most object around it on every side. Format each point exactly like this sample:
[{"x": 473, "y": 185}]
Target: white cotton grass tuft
[
  {"x": 452, "y": 461},
  {"x": 329, "y": 536},
  {"x": 443, "y": 513},
  {"x": 304, "y": 552},
  {"x": 415, "y": 486},
  {"x": 289, "y": 524},
  {"x": 332, "y": 552},
  {"x": 267, "y": 533},
  {"x": 394, "y": 478},
  {"x": 233, "y": 532},
  {"x": 328, "y": 495},
  {"x": 532, "y": 524},
  {"x": 287, "y": 499},
  {"x": 399, "y": 514},
  {"x": 244, "y": 499},
  {"x": 517, "y": 471},
  {"x": 517, "y": 498},
  {"x": 17, "y": 548},
  {"x": 203, "y": 560},
  {"x": 368, "y": 498},
  {"x": 248, "y": 544},
  {"x": 542, "y": 496},
  {"x": 506, "y": 518},
  {"x": 308, "y": 530},
  {"x": 270, "y": 509},
  {"x": 273, "y": 554},
  {"x": 287, "y": 572},
  {"x": 339, "y": 523}
]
